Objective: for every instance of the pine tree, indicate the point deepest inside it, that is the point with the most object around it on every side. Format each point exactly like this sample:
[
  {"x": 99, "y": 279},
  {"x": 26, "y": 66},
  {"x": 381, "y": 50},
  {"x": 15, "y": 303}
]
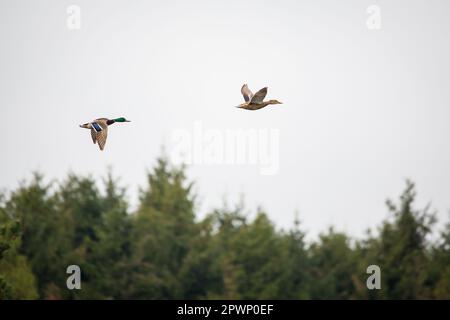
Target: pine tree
[
  {"x": 42, "y": 236},
  {"x": 401, "y": 250},
  {"x": 333, "y": 267},
  {"x": 163, "y": 231},
  {"x": 16, "y": 278}
]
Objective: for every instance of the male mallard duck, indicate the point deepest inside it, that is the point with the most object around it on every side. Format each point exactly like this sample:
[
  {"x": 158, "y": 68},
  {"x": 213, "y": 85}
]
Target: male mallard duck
[
  {"x": 99, "y": 129},
  {"x": 255, "y": 101}
]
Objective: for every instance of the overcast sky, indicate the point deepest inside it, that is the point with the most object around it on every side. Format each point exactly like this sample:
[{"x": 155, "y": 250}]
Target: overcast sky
[{"x": 363, "y": 109}]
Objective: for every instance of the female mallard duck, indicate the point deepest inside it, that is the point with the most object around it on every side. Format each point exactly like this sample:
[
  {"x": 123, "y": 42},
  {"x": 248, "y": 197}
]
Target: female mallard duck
[
  {"x": 99, "y": 129},
  {"x": 255, "y": 101}
]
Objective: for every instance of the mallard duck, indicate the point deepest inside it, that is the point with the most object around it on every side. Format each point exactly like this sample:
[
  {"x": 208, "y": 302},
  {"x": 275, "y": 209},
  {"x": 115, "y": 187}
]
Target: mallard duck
[
  {"x": 255, "y": 101},
  {"x": 99, "y": 129}
]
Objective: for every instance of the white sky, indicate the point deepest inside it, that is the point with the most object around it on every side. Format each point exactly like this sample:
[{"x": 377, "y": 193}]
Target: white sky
[{"x": 363, "y": 109}]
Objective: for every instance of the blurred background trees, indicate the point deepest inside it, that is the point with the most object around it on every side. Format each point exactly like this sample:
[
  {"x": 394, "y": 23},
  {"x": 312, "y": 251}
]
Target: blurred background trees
[{"x": 163, "y": 251}]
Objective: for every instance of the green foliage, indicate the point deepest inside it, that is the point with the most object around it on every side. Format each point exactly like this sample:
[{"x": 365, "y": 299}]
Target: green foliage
[
  {"x": 402, "y": 250},
  {"x": 161, "y": 251},
  {"x": 163, "y": 230},
  {"x": 333, "y": 266},
  {"x": 16, "y": 278},
  {"x": 439, "y": 272}
]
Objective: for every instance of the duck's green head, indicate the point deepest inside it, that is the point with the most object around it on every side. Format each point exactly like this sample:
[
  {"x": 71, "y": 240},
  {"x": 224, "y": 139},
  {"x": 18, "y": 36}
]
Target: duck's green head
[{"x": 121, "y": 119}]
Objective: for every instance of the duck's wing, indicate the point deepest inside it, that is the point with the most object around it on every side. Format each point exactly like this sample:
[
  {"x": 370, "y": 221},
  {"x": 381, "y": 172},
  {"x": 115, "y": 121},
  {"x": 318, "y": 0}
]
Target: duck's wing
[
  {"x": 101, "y": 138},
  {"x": 99, "y": 132},
  {"x": 259, "y": 96},
  {"x": 246, "y": 93},
  {"x": 94, "y": 136}
]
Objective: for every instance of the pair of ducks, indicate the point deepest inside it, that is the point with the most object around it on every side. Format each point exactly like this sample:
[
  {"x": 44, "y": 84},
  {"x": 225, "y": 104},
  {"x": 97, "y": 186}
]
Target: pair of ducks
[{"x": 99, "y": 127}]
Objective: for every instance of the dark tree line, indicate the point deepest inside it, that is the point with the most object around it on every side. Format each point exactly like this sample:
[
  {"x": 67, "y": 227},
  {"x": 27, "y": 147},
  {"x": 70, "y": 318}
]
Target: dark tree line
[{"x": 161, "y": 251}]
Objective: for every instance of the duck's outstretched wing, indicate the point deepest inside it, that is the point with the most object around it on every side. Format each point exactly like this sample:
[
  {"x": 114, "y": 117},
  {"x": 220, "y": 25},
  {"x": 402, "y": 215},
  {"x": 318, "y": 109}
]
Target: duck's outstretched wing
[
  {"x": 99, "y": 133},
  {"x": 246, "y": 93},
  {"x": 258, "y": 97},
  {"x": 101, "y": 138}
]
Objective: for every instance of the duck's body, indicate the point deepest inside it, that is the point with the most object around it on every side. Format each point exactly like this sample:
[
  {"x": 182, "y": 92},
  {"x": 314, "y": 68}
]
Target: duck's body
[
  {"x": 255, "y": 101},
  {"x": 99, "y": 129}
]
